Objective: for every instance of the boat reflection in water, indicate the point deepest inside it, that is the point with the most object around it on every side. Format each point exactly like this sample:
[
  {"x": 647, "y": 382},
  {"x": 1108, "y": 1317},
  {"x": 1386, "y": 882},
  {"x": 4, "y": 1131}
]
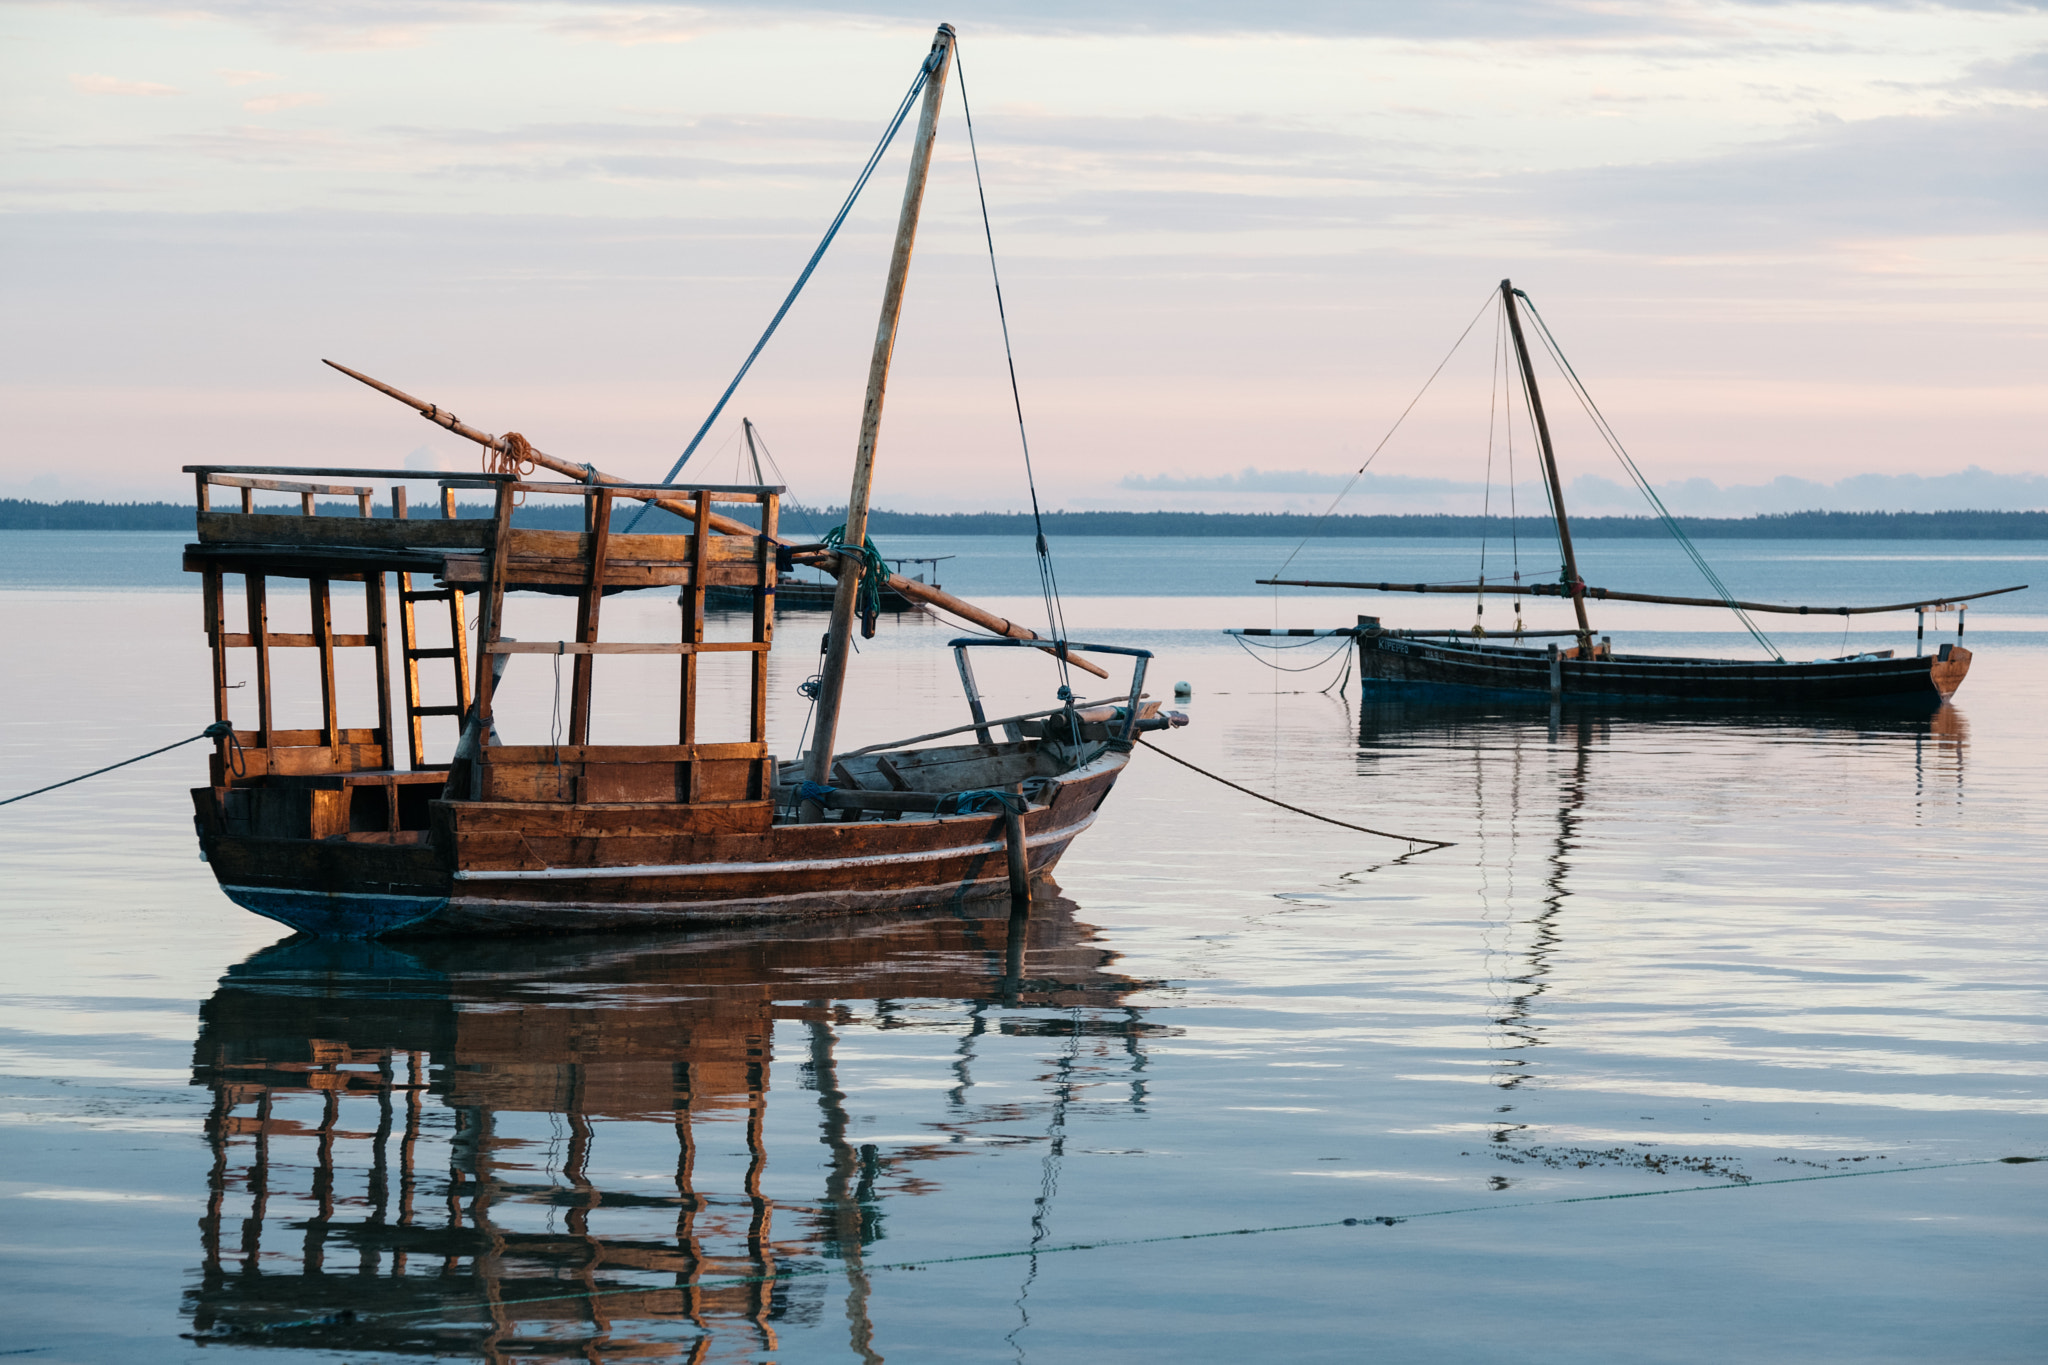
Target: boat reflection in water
[
  {"x": 402, "y": 1140},
  {"x": 1535, "y": 770}
]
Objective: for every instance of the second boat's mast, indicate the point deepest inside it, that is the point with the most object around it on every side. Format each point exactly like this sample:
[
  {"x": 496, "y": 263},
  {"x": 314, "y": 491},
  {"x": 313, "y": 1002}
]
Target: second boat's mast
[
  {"x": 832, "y": 677},
  {"x": 1574, "y": 584}
]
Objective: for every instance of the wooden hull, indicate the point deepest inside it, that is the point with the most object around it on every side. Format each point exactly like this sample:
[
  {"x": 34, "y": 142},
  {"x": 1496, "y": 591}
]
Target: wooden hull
[
  {"x": 1480, "y": 671},
  {"x": 499, "y": 867}
]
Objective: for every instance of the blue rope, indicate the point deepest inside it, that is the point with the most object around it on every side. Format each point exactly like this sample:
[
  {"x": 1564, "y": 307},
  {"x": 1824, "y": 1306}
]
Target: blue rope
[
  {"x": 985, "y": 798},
  {"x": 860, "y": 183}
]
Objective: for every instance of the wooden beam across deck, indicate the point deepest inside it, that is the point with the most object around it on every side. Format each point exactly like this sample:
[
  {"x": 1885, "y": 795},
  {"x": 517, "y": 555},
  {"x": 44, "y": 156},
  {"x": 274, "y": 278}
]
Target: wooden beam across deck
[{"x": 589, "y": 647}]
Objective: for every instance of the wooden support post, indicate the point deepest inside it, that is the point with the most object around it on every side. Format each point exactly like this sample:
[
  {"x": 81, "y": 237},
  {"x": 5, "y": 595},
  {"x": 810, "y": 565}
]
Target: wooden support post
[
  {"x": 363, "y": 504},
  {"x": 693, "y": 629},
  {"x": 305, "y": 504},
  {"x": 832, "y": 675},
  {"x": 248, "y": 502},
  {"x": 587, "y": 613},
  {"x": 323, "y": 640},
  {"x": 202, "y": 493},
  {"x": 1017, "y": 854},
  {"x": 259, "y": 635},
  {"x": 764, "y": 623},
  {"x": 490, "y": 621},
  {"x": 377, "y": 626},
  {"x": 447, "y": 503},
  {"x": 408, "y": 641},
  {"x": 216, "y": 639}
]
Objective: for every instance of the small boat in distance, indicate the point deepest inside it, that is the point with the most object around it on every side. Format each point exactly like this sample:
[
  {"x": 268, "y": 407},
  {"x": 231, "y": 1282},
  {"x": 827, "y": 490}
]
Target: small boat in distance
[
  {"x": 1451, "y": 665},
  {"x": 794, "y": 592}
]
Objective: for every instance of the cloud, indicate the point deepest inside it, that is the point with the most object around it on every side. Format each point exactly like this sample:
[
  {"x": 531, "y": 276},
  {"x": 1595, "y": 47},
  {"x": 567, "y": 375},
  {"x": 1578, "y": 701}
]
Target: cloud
[
  {"x": 246, "y": 77},
  {"x": 109, "y": 85},
  {"x": 1972, "y": 173},
  {"x": 270, "y": 104},
  {"x": 2027, "y": 73}
]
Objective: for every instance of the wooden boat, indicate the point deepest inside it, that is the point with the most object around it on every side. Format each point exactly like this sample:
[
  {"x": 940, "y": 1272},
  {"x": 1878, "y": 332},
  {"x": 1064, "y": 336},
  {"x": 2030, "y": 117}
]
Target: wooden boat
[
  {"x": 796, "y": 593},
  {"x": 319, "y": 828},
  {"x": 793, "y": 593},
  {"x": 1469, "y": 665},
  {"x": 375, "y": 1187}
]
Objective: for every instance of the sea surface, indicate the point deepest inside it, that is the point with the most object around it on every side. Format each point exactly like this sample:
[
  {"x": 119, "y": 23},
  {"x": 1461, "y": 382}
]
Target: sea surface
[{"x": 1708, "y": 1038}]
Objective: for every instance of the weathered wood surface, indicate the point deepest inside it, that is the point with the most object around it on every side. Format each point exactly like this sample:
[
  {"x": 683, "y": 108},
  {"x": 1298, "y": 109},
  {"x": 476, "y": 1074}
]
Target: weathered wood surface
[
  {"x": 346, "y": 532},
  {"x": 596, "y": 866}
]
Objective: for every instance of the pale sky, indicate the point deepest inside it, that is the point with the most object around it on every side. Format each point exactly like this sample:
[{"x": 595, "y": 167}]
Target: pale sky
[{"x": 1778, "y": 240}]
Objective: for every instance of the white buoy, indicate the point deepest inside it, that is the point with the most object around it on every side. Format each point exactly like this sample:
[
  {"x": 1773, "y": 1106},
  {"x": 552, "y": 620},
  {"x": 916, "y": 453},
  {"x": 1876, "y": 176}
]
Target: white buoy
[{"x": 1182, "y": 691}]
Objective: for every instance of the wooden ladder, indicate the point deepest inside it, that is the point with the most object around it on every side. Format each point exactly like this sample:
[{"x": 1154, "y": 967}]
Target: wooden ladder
[{"x": 457, "y": 652}]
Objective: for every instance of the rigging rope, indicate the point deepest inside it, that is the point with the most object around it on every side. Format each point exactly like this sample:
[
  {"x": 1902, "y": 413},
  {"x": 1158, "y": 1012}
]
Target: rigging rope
[
  {"x": 1048, "y": 581},
  {"x": 924, "y": 72},
  {"x": 1359, "y": 473},
  {"x": 1642, "y": 483}
]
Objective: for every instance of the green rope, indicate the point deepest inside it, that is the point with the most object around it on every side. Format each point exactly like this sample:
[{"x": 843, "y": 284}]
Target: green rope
[
  {"x": 873, "y": 574},
  {"x": 1375, "y": 1220}
]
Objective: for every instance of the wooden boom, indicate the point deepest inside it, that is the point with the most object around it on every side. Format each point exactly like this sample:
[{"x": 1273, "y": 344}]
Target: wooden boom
[
  {"x": 1615, "y": 595},
  {"x": 583, "y": 473}
]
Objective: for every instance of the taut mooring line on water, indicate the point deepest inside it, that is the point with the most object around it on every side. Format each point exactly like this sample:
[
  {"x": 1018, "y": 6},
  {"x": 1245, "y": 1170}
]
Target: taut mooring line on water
[
  {"x": 1341, "y": 824},
  {"x": 214, "y": 731},
  {"x": 1377, "y": 1220}
]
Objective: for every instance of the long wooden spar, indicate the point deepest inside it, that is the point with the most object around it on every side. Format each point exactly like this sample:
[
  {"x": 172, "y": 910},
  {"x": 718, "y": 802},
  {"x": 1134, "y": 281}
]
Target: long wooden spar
[
  {"x": 583, "y": 473},
  {"x": 1615, "y": 595}
]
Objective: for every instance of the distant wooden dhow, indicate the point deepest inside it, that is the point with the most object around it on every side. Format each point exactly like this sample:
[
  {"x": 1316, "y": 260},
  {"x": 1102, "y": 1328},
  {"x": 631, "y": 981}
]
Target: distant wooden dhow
[{"x": 1457, "y": 665}]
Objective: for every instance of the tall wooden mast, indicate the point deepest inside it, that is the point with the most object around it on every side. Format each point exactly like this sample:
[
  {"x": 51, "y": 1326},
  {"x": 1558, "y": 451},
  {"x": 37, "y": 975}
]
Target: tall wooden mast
[
  {"x": 1574, "y": 584},
  {"x": 832, "y": 677}
]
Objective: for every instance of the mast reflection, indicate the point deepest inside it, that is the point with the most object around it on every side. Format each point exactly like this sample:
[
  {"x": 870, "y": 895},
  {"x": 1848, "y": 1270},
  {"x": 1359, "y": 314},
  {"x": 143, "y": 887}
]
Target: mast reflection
[{"x": 403, "y": 1141}]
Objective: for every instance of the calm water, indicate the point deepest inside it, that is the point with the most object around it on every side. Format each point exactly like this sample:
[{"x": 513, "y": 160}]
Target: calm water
[{"x": 1676, "y": 956}]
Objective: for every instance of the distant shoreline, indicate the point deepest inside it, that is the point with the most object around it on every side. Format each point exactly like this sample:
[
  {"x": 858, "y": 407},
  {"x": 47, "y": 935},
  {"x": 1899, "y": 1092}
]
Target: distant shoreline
[{"x": 21, "y": 515}]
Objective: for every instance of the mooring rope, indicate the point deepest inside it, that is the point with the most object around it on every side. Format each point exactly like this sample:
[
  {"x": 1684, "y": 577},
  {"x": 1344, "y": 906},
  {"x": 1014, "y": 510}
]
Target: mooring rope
[
  {"x": 1362, "y": 829},
  {"x": 216, "y": 730},
  {"x": 348, "y": 1315}
]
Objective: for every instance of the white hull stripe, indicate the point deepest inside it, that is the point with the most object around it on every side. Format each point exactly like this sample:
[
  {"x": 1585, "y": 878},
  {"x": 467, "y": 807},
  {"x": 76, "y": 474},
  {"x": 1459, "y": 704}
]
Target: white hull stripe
[
  {"x": 574, "y": 874},
  {"x": 386, "y": 896}
]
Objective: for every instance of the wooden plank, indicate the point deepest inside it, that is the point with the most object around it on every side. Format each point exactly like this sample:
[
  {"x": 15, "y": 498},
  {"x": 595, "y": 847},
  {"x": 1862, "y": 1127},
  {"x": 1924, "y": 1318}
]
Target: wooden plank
[
  {"x": 576, "y": 546},
  {"x": 588, "y": 609},
  {"x": 259, "y": 631},
  {"x": 342, "y": 532},
  {"x": 408, "y": 654},
  {"x": 323, "y": 635},
  {"x": 621, "y": 753},
  {"x": 764, "y": 620},
  {"x": 380, "y": 635},
  {"x": 284, "y": 485},
  {"x": 692, "y": 602},
  {"x": 623, "y": 647},
  {"x": 301, "y": 739},
  {"x": 217, "y": 630},
  {"x": 491, "y": 613},
  {"x": 285, "y": 639}
]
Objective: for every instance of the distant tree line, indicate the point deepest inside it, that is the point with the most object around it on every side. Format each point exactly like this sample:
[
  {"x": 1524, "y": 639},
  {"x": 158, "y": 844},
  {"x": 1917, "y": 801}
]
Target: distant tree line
[{"x": 798, "y": 520}]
